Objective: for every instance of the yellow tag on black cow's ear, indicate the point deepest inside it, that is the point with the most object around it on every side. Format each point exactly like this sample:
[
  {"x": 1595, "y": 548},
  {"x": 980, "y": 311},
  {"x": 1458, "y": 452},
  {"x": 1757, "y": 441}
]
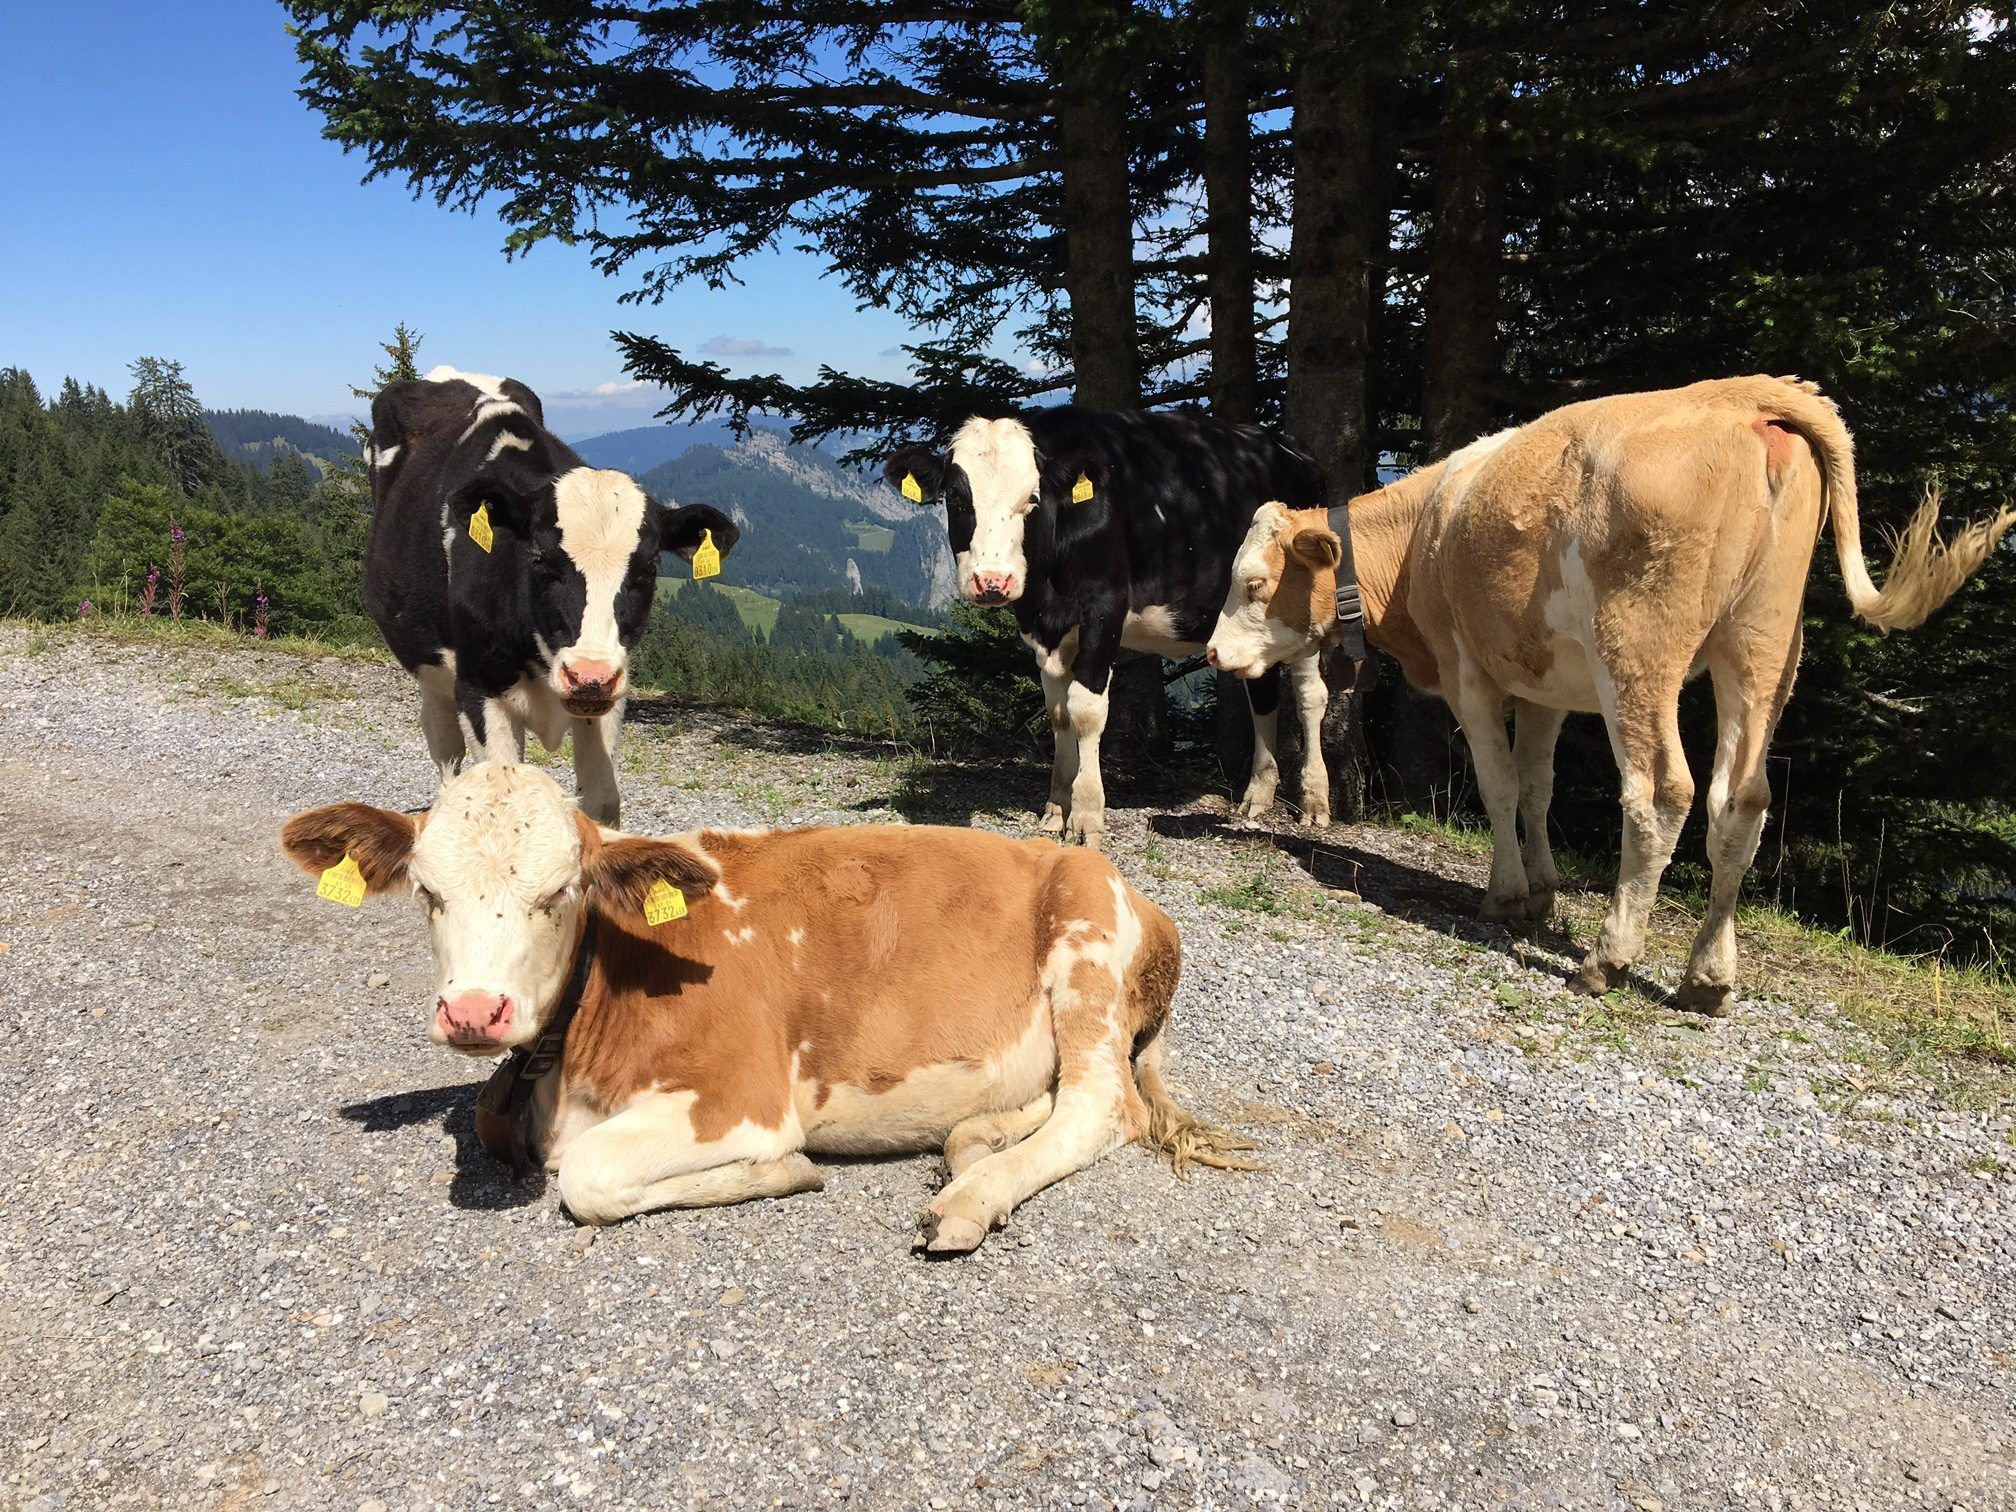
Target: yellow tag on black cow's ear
[
  {"x": 706, "y": 557},
  {"x": 912, "y": 489},
  {"x": 479, "y": 526},
  {"x": 343, "y": 883},
  {"x": 663, "y": 903},
  {"x": 1081, "y": 490}
]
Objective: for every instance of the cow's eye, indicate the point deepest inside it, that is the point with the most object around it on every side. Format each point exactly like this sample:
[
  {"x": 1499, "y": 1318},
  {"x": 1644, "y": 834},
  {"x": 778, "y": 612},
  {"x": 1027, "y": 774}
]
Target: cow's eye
[
  {"x": 554, "y": 899},
  {"x": 429, "y": 899},
  {"x": 1256, "y": 587}
]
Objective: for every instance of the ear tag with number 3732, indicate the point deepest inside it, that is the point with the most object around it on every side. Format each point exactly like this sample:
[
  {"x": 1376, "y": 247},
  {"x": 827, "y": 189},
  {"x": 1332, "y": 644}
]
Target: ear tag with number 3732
[
  {"x": 479, "y": 526},
  {"x": 1081, "y": 490},
  {"x": 343, "y": 883},
  {"x": 706, "y": 557},
  {"x": 663, "y": 903},
  {"x": 912, "y": 489}
]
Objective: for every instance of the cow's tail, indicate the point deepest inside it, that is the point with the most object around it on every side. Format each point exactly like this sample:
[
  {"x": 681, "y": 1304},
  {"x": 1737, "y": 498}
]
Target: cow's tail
[
  {"x": 1925, "y": 570},
  {"x": 1174, "y": 1132}
]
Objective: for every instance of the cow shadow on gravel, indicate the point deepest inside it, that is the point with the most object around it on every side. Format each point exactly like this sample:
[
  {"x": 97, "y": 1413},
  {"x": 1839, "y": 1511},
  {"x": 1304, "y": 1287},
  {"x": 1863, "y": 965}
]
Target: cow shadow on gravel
[
  {"x": 479, "y": 1182},
  {"x": 1427, "y": 898}
]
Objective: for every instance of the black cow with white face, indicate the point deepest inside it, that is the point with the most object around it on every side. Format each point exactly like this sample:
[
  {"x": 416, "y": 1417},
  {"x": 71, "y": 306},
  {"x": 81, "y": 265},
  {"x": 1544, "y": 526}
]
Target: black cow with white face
[
  {"x": 1109, "y": 530},
  {"x": 509, "y": 577}
]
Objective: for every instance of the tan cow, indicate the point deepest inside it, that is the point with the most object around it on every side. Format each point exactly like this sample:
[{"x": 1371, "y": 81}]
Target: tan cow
[
  {"x": 1595, "y": 560},
  {"x": 856, "y": 991}
]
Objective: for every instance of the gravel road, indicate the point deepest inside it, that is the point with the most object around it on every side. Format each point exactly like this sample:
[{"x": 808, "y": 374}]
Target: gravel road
[{"x": 250, "y": 1254}]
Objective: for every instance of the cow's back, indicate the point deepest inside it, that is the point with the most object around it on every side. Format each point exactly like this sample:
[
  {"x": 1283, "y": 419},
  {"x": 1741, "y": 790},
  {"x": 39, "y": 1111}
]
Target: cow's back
[{"x": 1183, "y": 487}]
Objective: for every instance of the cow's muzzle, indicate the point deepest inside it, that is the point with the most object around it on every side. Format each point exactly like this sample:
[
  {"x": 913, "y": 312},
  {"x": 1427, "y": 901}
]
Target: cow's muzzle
[
  {"x": 589, "y": 688},
  {"x": 474, "y": 1021},
  {"x": 991, "y": 587}
]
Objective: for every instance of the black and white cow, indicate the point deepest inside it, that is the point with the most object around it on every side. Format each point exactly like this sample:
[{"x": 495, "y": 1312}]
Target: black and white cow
[
  {"x": 1110, "y": 530},
  {"x": 509, "y": 577}
]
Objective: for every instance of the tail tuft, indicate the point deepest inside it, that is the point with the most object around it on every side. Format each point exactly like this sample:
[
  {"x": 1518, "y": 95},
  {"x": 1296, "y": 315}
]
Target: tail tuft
[
  {"x": 1926, "y": 571},
  {"x": 1184, "y": 1138}
]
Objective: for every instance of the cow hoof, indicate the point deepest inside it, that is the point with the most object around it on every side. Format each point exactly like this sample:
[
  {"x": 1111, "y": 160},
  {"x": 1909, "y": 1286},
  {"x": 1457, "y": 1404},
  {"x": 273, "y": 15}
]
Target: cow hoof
[
  {"x": 1705, "y": 998},
  {"x": 1087, "y": 835},
  {"x": 1052, "y": 822},
  {"x": 1540, "y": 906},
  {"x": 1593, "y": 978},
  {"x": 949, "y": 1236},
  {"x": 1255, "y": 808},
  {"x": 1502, "y": 910}
]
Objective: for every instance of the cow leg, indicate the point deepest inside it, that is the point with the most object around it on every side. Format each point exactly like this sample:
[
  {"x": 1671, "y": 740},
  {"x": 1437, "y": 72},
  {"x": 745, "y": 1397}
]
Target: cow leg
[
  {"x": 442, "y": 729},
  {"x": 647, "y": 1158},
  {"x": 1263, "y": 700},
  {"x": 595, "y": 765},
  {"x": 1480, "y": 709},
  {"x": 976, "y": 1138},
  {"x": 1749, "y": 697},
  {"x": 1064, "y": 755},
  {"x": 1644, "y": 723},
  {"x": 1536, "y": 729},
  {"x": 491, "y": 729},
  {"x": 1096, "y": 1107},
  {"x": 1086, "y": 709},
  {"x": 1312, "y": 702}
]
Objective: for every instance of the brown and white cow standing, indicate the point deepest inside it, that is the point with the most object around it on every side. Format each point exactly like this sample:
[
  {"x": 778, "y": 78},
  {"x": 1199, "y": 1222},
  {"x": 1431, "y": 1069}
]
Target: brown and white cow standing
[
  {"x": 855, "y": 991},
  {"x": 1594, "y": 560}
]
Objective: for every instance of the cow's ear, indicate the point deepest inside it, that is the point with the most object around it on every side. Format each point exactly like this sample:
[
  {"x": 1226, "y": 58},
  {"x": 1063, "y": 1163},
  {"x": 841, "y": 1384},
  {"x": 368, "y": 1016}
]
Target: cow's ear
[
  {"x": 1316, "y": 545},
  {"x": 411, "y": 407},
  {"x": 917, "y": 474},
  {"x": 619, "y": 872},
  {"x": 1075, "y": 477},
  {"x": 379, "y": 840},
  {"x": 684, "y": 528},
  {"x": 526, "y": 400},
  {"x": 498, "y": 496}
]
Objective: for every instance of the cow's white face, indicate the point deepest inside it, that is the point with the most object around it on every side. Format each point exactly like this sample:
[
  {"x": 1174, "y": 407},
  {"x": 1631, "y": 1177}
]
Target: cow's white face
[
  {"x": 497, "y": 868},
  {"x": 505, "y": 869},
  {"x": 1001, "y": 479},
  {"x": 1282, "y": 600},
  {"x": 607, "y": 557}
]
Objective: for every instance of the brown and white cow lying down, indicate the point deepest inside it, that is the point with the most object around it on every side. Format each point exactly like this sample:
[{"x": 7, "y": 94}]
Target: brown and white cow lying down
[
  {"x": 1595, "y": 560},
  {"x": 854, "y": 991}
]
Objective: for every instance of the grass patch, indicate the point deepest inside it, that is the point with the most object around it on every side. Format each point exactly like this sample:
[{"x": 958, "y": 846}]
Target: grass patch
[
  {"x": 206, "y": 635},
  {"x": 871, "y": 536},
  {"x": 870, "y": 628},
  {"x": 758, "y": 610},
  {"x": 1257, "y": 894},
  {"x": 1473, "y": 840}
]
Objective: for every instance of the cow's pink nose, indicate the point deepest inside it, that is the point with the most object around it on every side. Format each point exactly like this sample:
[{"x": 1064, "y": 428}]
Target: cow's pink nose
[
  {"x": 1211, "y": 655},
  {"x": 993, "y": 585},
  {"x": 577, "y": 676},
  {"x": 474, "y": 1018}
]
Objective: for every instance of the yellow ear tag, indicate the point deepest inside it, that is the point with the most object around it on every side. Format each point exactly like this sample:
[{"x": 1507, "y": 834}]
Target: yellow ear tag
[
  {"x": 1081, "y": 490},
  {"x": 663, "y": 903},
  {"x": 479, "y": 526},
  {"x": 706, "y": 564},
  {"x": 912, "y": 489},
  {"x": 342, "y": 883}
]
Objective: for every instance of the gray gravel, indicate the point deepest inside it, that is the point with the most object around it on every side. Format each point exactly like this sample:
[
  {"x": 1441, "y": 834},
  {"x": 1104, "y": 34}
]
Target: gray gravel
[{"x": 250, "y": 1255}]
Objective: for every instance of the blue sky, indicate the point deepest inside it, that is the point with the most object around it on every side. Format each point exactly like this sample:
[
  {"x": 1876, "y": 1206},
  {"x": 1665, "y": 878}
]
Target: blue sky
[{"x": 168, "y": 195}]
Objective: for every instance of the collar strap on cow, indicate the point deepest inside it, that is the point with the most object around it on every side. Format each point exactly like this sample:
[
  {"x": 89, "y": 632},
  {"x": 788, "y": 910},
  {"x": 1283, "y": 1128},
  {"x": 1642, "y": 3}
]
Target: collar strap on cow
[
  {"x": 530, "y": 1063},
  {"x": 1350, "y": 606}
]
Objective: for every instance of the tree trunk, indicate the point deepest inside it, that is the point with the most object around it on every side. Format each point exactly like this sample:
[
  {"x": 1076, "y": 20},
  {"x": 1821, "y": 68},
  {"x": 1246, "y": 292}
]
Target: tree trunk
[
  {"x": 1465, "y": 254},
  {"x": 1228, "y": 222},
  {"x": 1092, "y": 138},
  {"x": 1330, "y": 262},
  {"x": 1092, "y": 141}
]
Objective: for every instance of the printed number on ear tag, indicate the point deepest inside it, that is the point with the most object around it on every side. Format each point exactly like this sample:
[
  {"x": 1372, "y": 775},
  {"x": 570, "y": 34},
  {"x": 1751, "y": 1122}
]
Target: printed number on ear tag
[
  {"x": 706, "y": 563},
  {"x": 912, "y": 489},
  {"x": 1081, "y": 490},
  {"x": 663, "y": 903},
  {"x": 342, "y": 883},
  {"x": 479, "y": 526}
]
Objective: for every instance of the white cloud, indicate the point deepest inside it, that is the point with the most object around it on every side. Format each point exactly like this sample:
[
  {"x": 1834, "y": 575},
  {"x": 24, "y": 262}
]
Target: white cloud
[{"x": 742, "y": 346}]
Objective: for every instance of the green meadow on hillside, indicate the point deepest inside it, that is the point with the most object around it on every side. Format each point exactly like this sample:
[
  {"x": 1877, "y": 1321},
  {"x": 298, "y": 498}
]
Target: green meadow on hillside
[{"x": 759, "y": 612}]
